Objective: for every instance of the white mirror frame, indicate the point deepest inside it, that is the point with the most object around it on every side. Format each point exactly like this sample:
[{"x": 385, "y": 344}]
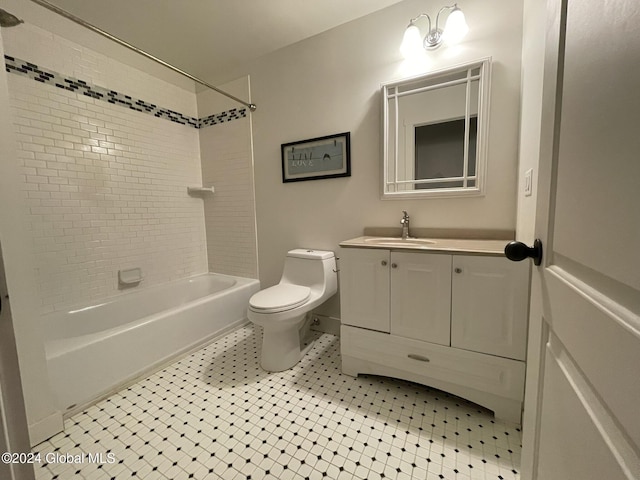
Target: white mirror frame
[{"x": 484, "y": 79}]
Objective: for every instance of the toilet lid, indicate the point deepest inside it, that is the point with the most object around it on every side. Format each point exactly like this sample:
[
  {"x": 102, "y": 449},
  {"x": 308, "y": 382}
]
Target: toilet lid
[{"x": 280, "y": 297}]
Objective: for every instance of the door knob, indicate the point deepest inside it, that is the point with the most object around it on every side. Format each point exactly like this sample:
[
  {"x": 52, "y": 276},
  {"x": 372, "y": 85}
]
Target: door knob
[{"x": 517, "y": 251}]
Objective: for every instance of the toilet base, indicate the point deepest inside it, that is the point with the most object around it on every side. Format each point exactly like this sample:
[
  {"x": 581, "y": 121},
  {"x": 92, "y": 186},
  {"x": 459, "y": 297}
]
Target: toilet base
[{"x": 280, "y": 349}]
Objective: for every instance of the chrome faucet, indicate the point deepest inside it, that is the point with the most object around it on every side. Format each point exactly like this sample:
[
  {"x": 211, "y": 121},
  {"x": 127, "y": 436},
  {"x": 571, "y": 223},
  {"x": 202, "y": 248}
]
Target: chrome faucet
[{"x": 405, "y": 225}]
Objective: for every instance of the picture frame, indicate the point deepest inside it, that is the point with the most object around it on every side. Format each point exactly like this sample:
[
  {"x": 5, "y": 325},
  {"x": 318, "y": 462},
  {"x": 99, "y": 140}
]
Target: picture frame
[{"x": 317, "y": 158}]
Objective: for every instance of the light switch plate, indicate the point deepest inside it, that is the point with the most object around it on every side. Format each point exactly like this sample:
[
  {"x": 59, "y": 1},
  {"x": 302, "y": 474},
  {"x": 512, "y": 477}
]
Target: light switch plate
[{"x": 528, "y": 182}]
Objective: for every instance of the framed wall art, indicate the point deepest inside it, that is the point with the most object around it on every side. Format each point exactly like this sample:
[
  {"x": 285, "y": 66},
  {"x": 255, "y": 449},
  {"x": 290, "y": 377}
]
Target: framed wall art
[{"x": 317, "y": 158}]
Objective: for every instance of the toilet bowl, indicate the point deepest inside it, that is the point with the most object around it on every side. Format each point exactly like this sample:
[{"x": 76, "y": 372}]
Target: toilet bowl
[{"x": 308, "y": 279}]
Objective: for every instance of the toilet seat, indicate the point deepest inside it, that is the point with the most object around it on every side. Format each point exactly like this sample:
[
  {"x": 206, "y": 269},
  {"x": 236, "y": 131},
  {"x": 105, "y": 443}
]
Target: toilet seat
[{"x": 279, "y": 298}]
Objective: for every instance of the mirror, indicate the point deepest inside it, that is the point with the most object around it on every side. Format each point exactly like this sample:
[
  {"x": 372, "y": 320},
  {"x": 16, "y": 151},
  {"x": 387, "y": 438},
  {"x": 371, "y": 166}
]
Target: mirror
[{"x": 434, "y": 133}]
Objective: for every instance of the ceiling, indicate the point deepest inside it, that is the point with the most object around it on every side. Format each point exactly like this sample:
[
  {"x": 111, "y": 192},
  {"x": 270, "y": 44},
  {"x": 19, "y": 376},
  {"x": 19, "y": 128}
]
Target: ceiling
[{"x": 209, "y": 37}]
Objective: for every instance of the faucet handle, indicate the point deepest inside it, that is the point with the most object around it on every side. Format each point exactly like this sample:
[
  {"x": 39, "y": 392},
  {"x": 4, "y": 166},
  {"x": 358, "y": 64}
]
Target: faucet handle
[{"x": 405, "y": 216}]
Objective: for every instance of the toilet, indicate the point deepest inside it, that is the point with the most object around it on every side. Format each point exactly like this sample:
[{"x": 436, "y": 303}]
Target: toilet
[{"x": 308, "y": 279}]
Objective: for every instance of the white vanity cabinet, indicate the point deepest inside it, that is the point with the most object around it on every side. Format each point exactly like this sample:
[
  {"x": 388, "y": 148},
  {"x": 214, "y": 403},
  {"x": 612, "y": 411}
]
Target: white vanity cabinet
[
  {"x": 381, "y": 284},
  {"x": 364, "y": 288},
  {"x": 418, "y": 284},
  {"x": 489, "y": 307},
  {"x": 456, "y": 322}
]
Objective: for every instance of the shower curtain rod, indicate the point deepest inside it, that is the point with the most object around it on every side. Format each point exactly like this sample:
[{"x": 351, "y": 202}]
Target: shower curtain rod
[{"x": 73, "y": 18}]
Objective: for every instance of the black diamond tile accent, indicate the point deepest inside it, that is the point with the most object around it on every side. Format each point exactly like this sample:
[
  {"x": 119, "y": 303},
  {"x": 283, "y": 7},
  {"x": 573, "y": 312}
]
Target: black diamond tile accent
[
  {"x": 39, "y": 74},
  {"x": 222, "y": 416}
]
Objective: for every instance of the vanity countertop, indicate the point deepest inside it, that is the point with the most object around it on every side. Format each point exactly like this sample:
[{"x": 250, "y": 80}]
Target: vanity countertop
[{"x": 442, "y": 245}]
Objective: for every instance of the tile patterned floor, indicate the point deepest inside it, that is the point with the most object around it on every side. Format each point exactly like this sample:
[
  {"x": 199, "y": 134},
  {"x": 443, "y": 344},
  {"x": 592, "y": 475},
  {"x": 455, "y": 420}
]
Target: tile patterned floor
[{"x": 216, "y": 414}]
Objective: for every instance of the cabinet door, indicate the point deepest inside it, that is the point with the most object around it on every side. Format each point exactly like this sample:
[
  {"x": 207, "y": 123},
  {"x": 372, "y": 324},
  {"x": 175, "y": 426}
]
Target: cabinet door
[
  {"x": 421, "y": 296},
  {"x": 364, "y": 288},
  {"x": 490, "y": 305}
]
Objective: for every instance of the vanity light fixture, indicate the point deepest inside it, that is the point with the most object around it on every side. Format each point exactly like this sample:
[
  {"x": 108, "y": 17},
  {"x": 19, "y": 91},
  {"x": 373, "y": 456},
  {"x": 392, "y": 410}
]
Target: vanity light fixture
[{"x": 455, "y": 29}]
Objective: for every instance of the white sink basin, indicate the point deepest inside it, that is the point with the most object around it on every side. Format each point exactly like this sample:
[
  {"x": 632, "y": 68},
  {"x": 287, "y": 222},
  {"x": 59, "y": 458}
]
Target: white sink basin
[{"x": 398, "y": 242}]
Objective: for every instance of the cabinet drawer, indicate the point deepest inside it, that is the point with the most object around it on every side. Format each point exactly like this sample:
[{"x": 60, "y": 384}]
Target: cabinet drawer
[{"x": 424, "y": 361}]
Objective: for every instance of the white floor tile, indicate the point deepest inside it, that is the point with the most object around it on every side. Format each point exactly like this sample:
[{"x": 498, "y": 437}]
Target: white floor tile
[{"x": 216, "y": 414}]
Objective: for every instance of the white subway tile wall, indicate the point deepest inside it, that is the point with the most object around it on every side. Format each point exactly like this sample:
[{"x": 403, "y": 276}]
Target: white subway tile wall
[
  {"x": 105, "y": 187},
  {"x": 56, "y": 53},
  {"x": 230, "y": 212}
]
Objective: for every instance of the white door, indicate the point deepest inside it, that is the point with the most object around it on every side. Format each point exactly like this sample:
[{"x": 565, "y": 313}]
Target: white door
[
  {"x": 13, "y": 421},
  {"x": 582, "y": 404}
]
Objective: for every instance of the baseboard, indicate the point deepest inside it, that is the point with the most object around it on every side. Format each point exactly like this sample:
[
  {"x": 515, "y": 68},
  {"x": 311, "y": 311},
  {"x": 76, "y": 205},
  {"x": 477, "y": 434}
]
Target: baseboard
[
  {"x": 45, "y": 428},
  {"x": 325, "y": 324}
]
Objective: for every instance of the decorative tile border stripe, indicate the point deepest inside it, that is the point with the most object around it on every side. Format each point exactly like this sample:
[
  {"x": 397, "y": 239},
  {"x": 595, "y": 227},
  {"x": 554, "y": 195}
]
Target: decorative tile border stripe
[
  {"x": 39, "y": 74},
  {"x": 223, "y": 117}
]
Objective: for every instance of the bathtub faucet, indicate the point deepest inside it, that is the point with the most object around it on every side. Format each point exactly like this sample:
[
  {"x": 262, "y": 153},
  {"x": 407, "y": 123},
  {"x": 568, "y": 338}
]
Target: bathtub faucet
[{"x": 405, "y": 225}]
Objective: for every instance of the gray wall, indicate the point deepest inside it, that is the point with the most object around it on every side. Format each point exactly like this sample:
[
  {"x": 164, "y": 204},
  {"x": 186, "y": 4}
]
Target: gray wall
[{"x": 330, "y": 83}]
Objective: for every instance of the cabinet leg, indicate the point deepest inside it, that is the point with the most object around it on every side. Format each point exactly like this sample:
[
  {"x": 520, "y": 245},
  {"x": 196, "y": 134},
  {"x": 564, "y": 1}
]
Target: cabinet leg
[
  {"x": 350, "y": 366},
  {"x": 507, "y": 410}
]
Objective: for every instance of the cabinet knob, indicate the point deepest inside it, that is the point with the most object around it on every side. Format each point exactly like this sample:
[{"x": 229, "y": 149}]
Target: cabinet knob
[
  {"x": 383, "y": 263},
  {"x": 457, "y": 270},
  {"x": 394, "y": 265}
]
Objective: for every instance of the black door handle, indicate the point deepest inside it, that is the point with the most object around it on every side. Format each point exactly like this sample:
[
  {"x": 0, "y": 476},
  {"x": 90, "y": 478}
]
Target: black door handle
[{"x": 517, "y": 251}]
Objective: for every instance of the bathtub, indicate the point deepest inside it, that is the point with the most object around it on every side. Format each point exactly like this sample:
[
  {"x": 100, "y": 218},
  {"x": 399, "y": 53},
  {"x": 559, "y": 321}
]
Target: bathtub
[{"x": 93, "y": 350}]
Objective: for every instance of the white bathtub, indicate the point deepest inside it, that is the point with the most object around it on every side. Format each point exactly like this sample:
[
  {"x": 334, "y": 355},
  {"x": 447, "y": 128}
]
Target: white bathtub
[{"x": 93, "y": 350}]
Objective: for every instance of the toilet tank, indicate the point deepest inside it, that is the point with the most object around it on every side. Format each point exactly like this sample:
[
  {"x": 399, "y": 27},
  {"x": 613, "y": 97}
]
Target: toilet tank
[{"x": 312, "y": 268}]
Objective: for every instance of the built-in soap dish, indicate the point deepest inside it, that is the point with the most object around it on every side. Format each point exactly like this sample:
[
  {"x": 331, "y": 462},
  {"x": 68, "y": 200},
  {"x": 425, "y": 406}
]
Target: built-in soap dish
[
  {"x": 129, "y": 277},
  {"x": 199, "y": 190}
]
